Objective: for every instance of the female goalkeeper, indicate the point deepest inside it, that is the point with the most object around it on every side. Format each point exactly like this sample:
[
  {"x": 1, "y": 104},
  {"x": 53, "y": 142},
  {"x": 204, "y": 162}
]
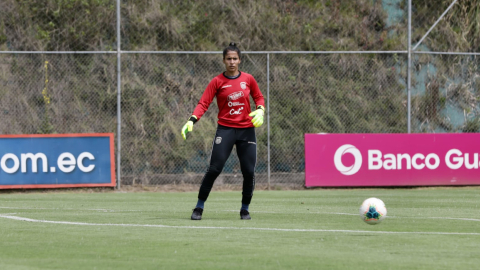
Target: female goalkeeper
[{"x": 236, "y": 126}]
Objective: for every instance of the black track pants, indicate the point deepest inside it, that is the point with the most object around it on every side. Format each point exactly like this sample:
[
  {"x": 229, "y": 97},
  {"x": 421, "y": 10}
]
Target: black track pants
[{"x": 225, "y": 138}]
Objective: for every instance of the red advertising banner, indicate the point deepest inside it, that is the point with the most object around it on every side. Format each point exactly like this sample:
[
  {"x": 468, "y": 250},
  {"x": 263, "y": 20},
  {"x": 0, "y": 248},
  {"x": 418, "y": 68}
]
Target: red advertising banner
[{"x": 340, "y": 160}]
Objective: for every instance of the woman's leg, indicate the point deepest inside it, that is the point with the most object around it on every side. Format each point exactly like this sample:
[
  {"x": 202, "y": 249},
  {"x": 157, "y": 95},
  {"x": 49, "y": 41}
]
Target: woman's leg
[
  {"x": 247, "y": 154},
  {"x": 222, "y": 147}
]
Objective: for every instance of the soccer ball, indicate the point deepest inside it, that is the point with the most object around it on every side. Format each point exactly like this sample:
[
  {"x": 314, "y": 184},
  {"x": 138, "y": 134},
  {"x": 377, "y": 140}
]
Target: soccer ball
[{"x": 373, "y": 211}]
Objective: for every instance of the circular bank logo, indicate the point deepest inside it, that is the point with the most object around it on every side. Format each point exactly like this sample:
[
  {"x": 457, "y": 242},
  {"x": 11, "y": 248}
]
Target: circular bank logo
[{"x": 337, "y": 159}]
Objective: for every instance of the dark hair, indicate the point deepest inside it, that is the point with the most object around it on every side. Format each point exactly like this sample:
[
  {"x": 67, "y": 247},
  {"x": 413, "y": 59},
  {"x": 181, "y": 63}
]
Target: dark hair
[{"x": 232, "y": 47}]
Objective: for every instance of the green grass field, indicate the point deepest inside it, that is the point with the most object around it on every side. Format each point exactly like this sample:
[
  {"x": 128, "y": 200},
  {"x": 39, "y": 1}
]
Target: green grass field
[{"x": 426, "y": 228}]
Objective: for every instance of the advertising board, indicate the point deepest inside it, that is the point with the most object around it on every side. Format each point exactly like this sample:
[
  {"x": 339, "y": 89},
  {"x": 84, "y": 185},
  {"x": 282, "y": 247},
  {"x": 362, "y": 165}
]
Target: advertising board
[{"x": 57, "y": 160}]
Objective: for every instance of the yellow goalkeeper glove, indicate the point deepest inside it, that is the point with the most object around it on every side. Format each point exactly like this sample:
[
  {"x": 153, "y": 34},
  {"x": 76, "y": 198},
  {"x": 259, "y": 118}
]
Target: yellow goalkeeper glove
[
  {"x": 188, "y": 127},
  {"x": 257, "y": 116}
]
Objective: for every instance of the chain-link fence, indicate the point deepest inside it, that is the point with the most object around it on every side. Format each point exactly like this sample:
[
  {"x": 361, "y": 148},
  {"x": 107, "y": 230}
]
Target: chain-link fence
[
  {"x": 445, "y": 93},
  {"x": 57, "y": 93},
  {"x": 305, "y": 91}
]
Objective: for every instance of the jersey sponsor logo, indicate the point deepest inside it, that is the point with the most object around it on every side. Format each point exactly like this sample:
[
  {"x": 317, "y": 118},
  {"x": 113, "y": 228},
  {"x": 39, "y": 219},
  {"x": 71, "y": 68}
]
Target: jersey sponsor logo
[
  {"x": 243, "y": 85},
  {"x": 235, "y": 96},
  {"x": 234, "y": 112},
  {"x": 218, "y": 140},
  {"x": 232, "y": 104},
  {"x": 226, "y": 86}
]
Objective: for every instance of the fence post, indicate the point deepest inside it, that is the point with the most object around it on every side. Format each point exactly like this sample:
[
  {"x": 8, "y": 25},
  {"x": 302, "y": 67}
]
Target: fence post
[
  {"x": 268, "y": 119},
  {"x": 119, "y": 109},
  {"x": 409, "y": 66}
]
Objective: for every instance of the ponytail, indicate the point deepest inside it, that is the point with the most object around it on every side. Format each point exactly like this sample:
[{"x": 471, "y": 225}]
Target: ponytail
[{"x": 232, "y": 47}]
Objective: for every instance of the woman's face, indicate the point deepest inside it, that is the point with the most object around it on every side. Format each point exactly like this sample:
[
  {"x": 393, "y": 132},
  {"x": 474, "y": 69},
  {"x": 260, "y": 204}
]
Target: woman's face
[{"x": 231, "y": 61}]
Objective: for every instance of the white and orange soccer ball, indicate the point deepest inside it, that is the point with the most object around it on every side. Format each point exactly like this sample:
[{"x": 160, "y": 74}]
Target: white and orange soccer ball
[{"x": 373, "y": 211}]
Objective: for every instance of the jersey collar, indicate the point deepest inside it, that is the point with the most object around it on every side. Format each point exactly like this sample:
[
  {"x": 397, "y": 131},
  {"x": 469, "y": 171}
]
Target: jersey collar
[{"x": 232, "y": 77}]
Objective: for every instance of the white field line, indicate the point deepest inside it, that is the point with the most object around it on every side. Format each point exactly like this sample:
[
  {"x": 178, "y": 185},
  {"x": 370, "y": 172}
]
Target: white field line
[
  {"x": 468, "y": 219},
  {"x": 350, "y": 214},
  {"x": 263, "y": 212},
  {"x": 225, "y": 228},
  {"x": 449, "y": 218},
  {"x": 75, "y": 209}
]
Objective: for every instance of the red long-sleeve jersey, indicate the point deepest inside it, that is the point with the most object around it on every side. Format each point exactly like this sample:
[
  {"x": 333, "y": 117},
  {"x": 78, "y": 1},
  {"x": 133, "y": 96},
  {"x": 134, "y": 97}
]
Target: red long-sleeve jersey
[{"x": 233, "y": 99}]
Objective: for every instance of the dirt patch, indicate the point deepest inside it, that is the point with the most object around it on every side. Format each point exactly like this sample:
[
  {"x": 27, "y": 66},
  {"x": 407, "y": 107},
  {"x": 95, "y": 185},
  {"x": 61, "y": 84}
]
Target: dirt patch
[
  {"x": 195, "y": 187},
  {"x": 152, "y": 188}
]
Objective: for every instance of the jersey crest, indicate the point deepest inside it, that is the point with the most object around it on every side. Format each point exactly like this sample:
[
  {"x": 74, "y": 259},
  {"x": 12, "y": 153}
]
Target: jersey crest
[{"x": 243, "y": 85}]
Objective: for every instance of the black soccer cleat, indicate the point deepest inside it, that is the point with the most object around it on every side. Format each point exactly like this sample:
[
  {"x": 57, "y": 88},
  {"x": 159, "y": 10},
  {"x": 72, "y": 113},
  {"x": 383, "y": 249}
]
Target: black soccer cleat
[
  {"x": 244, "y": 214},
  {"x": 197, "y": 213}
]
